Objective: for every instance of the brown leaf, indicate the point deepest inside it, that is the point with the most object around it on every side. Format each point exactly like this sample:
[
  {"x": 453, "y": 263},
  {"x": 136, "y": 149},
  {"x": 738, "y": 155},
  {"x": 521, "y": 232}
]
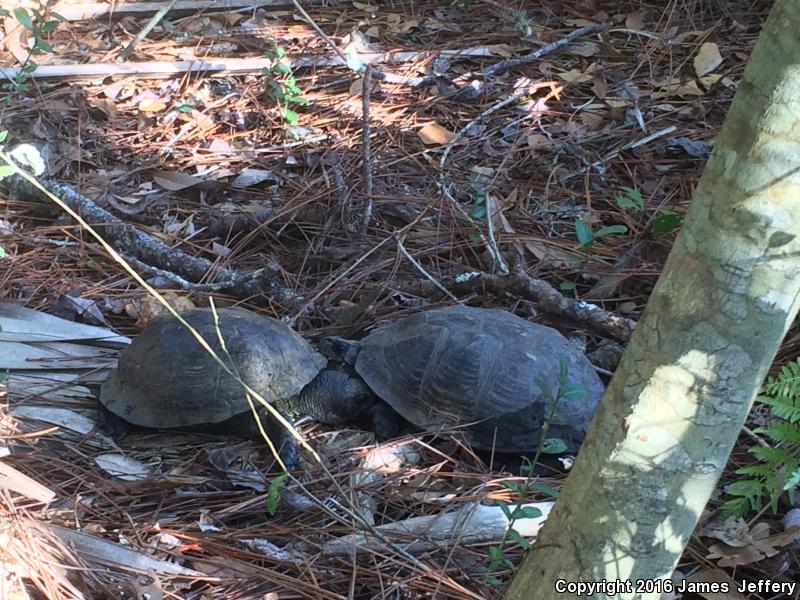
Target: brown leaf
[
  {"x": 435, "y": 135},
  {"x": 576, "y": 75},
  {"x": 152, "y": 105},
  {"x": 174, "y": 180},
  {"x": 600, "y": 88},
  {"x": 585, "y": 49},
  {"x": 635, "y": 20},
  {"x": 707, "y": 59}
]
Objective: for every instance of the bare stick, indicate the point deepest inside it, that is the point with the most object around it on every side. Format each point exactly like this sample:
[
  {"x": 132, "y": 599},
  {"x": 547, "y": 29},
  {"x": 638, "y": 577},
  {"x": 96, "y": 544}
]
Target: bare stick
[
  {"x": 127, "y": 238},
  {"x": 547, "y": 298},
  {"x": 154, "y": 20},
  {"x": 422, "y": 270},
  {"x": 365, "y": 148}
]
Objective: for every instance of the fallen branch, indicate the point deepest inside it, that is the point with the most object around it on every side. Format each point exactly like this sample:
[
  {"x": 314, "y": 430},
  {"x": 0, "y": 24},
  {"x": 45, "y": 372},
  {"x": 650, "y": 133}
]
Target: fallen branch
[
  {"x": 227, "y": 66},
  {"x": 154, "y": 253},
  {"x": 86, "y": 12},
  {"x": 472, "y": 524},
  {"x": 474, "y": 90},
  {"x": 547, "y": 298}
]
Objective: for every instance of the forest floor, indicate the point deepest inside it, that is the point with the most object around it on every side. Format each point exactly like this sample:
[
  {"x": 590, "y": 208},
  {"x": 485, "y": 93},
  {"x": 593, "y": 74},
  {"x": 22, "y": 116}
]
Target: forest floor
[{"x": 236, "y": 141}]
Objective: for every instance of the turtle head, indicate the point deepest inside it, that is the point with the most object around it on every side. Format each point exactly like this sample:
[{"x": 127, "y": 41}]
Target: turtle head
[{"x": 337, "y": 348}]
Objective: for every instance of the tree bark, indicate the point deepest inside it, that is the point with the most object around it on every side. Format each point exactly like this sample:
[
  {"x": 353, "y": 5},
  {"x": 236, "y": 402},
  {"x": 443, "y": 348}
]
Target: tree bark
[{"x": 726, "y": 297}]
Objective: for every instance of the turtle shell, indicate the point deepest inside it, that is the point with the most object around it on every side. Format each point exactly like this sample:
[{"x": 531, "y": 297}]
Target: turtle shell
[
  {"x": 166, "y": 379},
  {"x": 485, "y": 368}
]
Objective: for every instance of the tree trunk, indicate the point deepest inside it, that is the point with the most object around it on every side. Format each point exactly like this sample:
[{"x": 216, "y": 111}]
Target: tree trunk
[{"x": 717, "y": 315}]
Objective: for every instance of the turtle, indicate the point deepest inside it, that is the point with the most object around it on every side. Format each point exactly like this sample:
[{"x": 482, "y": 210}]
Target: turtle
[
  {"x": 165, "y": 379},
  {"x": 487, "y": 370}
]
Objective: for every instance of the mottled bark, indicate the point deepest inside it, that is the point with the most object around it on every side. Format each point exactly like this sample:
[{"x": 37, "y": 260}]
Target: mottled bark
[{"x": 686, "y": 382}]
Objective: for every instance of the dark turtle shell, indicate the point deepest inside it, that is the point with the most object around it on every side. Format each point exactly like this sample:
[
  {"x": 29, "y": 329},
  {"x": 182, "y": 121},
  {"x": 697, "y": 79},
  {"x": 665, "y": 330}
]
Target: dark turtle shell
[
  {"x": 165, "y": 379},
  {"x": 457, "y": 366}
]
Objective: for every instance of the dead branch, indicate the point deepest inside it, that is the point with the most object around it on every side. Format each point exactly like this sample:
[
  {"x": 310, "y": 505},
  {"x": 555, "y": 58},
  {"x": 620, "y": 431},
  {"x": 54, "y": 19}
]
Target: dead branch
[
  {"x": 547, "y": 298},
  {"x": 474, "y": 90},
  {"x": 86, "y": 12},
  {"x": 130, "y": 240},
  {"x": 471, "y": 524},
  {"x": 225, "y": 66}
]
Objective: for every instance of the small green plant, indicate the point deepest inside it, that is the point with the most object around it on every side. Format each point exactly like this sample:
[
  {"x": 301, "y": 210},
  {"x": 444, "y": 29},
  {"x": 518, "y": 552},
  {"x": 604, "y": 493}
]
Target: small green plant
[
  {"x": 777, "y": 471},
  {"x": 274, "y": 493},
  {"x": 631, "y": 199},
  {"x": 547, "y": 445},
  {"x": 587, "y": 236},
  {"x": 281, "y": 85},
  {"x": 39, "y": 21},
  {"x": 666, "y": 221}
]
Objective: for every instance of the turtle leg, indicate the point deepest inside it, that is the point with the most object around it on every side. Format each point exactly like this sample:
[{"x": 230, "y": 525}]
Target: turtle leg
[
  {"x": 385, "y": 421},
  {"x": 116, "y": 427},
  {"x": 334, "y": 398}
]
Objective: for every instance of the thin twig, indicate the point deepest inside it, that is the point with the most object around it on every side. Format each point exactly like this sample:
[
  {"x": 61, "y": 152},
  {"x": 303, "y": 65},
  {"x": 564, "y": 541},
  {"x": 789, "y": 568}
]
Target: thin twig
[
  {"x": 422, "y": 270},
  {"x": 365, "y": 147},
  {"x": 154, "y": 20}
]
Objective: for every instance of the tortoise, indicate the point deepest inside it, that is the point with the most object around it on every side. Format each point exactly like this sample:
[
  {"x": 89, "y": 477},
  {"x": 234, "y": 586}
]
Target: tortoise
[
  {"x": 165, "y": 379},
  {"x": 485, "y": 369}
]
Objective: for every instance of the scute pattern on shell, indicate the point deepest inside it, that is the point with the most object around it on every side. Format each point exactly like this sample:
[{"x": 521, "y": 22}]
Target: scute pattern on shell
[
  {"x": 166, "y": 379},
  {"x": 461, "y": 365}
]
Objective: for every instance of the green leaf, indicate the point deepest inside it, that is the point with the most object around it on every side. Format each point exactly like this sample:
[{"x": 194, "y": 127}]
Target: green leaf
[
  {"x": 3, "y": 136},
  {"x": 566, "y": 286},
  {"x": 21, "y": 15},
  {"x": 631, "y": 200},
  {"x": 759, "y": 470},
  {"x": 473, "y": 239},
  {"x": 574, "y": 391},
  {"x": 506, "y": 510},
  {"x": 3, "y": 377},
  {"x": 5, "y": 171},
  {"x": 554, "y": 446},
  {"x": 563, "y": 370},
  {"x": 479, "y": 212},
  {"x": 2, "y": 255},
  {"x": 543, "y": 387},
  {"x": 583, "y": 232},
  {"x": 736, "y": 507},
  {"x": 494, "y": 581},
  {"x": 514, "y": 486},
  {"x": 496, "y": 553},
  {"x": 610, "y": 230},
  {"x": 290, "y": 116},
  {"x": 274, "y": 493},
  {"x": 184, "y": 108},
  {"x": 792, "y": 481},
  {"x": 516, "y": 537},
  {"x": 776, "y": 456},
  {"x": 528, "y": 512},
  {"x": 546, "y": 489},
  {"x": 666, "y": 222},
  {"x": 49, "y": 27},
  {"x": 283, "y": 68},
  {"x": 42, "y": 45},
  {"x": 280, "y": 52}
]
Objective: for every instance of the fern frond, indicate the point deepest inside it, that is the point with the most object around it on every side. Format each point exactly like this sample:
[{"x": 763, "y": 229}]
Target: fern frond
[
  {"x": 784, "y": 433},
  {"x": 783, "y": 407},
  {"x": 776, "y": 457},
  {"x": 786, "y": 383}
]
